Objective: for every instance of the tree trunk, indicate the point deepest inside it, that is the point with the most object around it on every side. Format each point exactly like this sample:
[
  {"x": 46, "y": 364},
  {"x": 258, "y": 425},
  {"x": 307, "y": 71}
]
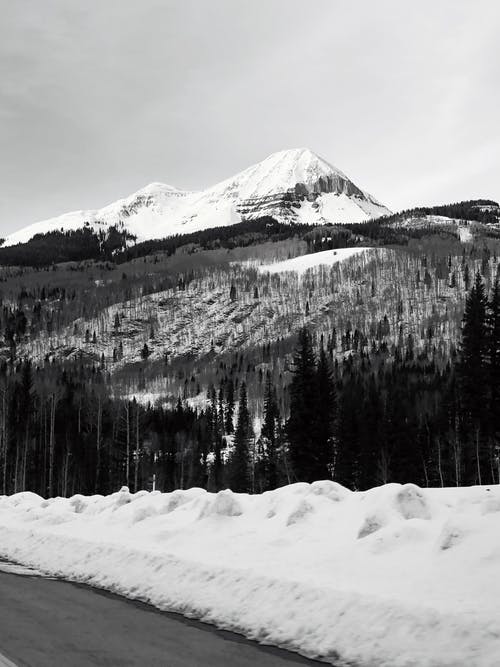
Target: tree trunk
[
  {"x": 127, "y": 463},
  {"x": 136, "y": 462},
  {"x": 477, "y": 458},
  {"x": 98, "y": 443},
  {"x": 439, "y": 463},
  {"x": 52, "y": 443},
  {"x": 5, "y": 444}
]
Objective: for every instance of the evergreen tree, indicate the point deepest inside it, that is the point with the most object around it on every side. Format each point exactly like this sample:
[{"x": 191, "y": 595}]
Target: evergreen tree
[
  {"x": 348, "y": 454},
  {"x": 466, "y": 277},
  {"x": 325, "y": 417},
  {"x": 26, "y": 409},
  {"x": 302, "y": 434},
  {"x": 215, "y": 439},
  {"x": 228, "y": 419},
  {"x": 371, "y": 435},
  {"x": 494, "y": 375},
  {"x": 239, "y": 466},
  {"x": 493, "y": 323},
  {"x": 269, "y": 435},
  {"x": 474, "y": 379}
]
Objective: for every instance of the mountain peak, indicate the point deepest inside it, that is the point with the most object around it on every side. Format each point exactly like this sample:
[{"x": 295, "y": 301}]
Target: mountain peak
[
  {"x": 282, "y": 172},
  {"x": 305, "y": 158},
  {"x": 293, "y": 185},
  {"x": 296, "y": 153}
]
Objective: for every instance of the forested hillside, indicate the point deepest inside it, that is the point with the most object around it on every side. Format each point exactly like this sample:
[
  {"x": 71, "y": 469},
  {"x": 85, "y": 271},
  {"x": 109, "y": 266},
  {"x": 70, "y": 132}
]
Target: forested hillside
[
  {"x": 183, "y": 363},
  {"x": 475, "y": 217}
]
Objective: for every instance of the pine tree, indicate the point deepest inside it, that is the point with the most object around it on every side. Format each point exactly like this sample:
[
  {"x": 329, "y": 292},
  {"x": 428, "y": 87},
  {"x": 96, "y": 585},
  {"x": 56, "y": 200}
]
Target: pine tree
[
  {"x": 303, "y": 412},
  {"x": 239, "y": 466},
  {"x": 466, "y": 278},
  {"x": 474, "y": 348},
  {"x": 493, "y": 322},
  {"x": 228, "y": 418},
  {"x": 347, "y": 459},
  {"x": 474, "y": 378},
  {"x": 325, "y": 416},
  {"x": 371, "y": 436},
  {"x": 269, "y": 435},
  {"x": 26, "y": 406},
  {"x": 214, "y": 440}
]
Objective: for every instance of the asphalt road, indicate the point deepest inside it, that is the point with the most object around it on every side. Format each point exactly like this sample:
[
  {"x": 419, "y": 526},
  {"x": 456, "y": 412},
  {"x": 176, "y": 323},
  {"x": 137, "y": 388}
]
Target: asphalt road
[{"x": 52, "y": 623}]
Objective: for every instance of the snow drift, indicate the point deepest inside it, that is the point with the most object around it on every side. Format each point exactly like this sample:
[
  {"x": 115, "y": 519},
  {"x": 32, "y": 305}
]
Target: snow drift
[{"x": 397, "y": 575}]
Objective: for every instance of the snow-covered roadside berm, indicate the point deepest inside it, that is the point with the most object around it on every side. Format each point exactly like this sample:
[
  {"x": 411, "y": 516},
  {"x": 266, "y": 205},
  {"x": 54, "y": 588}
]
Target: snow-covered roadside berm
[{"x": 392, "y": 576}]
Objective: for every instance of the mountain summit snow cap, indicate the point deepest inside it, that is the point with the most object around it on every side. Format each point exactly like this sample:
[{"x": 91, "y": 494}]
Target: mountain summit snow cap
[
  {"x": 297, "y": 170},
  {"x": 292, "y": 186},
  {"x": 280, "y": 172}
]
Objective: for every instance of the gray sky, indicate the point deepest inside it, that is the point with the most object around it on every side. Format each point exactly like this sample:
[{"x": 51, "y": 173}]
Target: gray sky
[{"x": 100, "y": 97}]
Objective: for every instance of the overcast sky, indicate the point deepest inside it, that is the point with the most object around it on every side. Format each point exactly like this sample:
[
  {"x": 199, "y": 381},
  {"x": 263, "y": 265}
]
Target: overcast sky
[{"x": 100, "y": 97}]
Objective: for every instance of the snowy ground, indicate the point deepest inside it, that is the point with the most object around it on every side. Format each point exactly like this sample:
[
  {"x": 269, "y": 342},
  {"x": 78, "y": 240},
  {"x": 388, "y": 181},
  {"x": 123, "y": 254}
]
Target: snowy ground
[
  {"x": 397, "y": 575},
  {"x": 305, "y": 262}
]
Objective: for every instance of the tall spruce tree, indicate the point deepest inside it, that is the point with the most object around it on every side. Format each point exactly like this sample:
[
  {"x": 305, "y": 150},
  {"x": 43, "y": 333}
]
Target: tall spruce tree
[
  {"x": 26, "y": 408},
  {"x": 269, "y": 435},
  {"x": 474, "y": 381},
  {"x": 494, "y": 376},
  {"x": 371, "y": 435},
  {"x": 347, "y": 459},
  {"x": 216, "y": 425},
  {"x": 228, "y": 417},
  {"x": 302, "y": 432},
  {"x": 325, "y": 418},
  {"x": 239, "y": 467}
]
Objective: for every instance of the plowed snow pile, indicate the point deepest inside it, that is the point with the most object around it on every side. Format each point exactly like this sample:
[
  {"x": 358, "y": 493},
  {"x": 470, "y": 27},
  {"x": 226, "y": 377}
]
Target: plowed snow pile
[{"x": 397, "y": 575}]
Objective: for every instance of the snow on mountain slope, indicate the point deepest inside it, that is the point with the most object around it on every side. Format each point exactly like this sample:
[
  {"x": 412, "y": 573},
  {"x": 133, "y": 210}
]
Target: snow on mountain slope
[
  {"x": 305, "y": 262},
  {"x": 139, "y": 214},
  {"x": 293, "y": 186},
  {"x": 203, "y": 319},
  {"x": 462, "y": 227}
]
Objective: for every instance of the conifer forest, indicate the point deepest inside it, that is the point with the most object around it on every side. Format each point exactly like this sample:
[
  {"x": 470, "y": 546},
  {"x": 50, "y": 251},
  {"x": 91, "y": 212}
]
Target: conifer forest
[{"x": 189, "y": 363}]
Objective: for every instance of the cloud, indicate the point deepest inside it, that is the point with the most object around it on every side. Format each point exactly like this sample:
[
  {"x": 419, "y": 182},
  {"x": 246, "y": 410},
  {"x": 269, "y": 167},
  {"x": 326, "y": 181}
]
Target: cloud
[{"x": 97, "y": 99}]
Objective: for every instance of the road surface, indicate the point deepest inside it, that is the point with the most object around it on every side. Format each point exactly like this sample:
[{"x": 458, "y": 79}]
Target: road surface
[{"x": 51, "y": 623}]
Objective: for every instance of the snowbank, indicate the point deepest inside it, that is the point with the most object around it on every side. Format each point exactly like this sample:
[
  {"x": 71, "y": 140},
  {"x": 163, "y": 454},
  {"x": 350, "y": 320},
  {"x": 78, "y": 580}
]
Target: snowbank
[{"x": 397, "y": 575}]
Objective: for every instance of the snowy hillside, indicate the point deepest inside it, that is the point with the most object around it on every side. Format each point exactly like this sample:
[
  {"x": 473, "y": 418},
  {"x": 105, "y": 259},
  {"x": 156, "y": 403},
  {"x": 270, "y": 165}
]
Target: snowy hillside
[
  {"x": 196, "y": 325},
  {"x": 292, "y": 186},
  {"x": 313, "y": 260},
  {"x": 463, "y": 228},
  {"x": 202, "y": 319},
  {"x": 395, "y": 576}
]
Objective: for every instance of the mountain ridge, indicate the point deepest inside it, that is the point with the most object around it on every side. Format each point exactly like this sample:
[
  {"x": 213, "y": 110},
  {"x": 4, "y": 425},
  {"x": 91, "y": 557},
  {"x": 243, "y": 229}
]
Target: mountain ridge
[{"x": 294, "y": 185}]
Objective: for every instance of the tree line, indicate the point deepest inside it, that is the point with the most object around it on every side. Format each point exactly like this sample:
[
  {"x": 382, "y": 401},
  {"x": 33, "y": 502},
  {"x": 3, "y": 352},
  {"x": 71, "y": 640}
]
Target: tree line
[
  {"x": 378, "y": 418},
  {"x": 371, "y": 416}
]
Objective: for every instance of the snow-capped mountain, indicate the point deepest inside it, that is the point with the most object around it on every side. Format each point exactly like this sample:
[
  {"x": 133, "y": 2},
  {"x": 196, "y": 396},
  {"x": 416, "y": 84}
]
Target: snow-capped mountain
[{"x": 292, "y": 186}]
